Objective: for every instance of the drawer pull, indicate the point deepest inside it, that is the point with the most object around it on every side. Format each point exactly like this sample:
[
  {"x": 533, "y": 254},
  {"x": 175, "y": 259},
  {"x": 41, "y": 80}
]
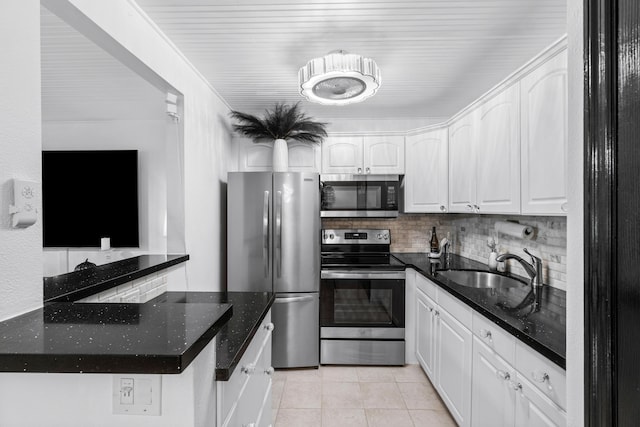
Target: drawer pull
[
  {"x": 248, "y": 369},
  {"x": 516, "y": 386},
  {"x": 485, "y": 334},
  {"x": 504, "y": 375},
  {"x": 269, "y": 326},
  {"x": 269, "y": 371},
  {"x": 542, "y": 377}
]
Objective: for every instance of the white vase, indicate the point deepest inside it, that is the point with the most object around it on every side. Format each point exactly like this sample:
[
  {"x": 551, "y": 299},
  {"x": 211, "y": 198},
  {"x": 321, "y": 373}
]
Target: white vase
[{"x": 280, "y": 156}]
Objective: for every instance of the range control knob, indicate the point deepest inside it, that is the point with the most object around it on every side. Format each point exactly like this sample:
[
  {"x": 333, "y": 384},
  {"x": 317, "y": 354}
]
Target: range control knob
[
  {"x": 386, "y": 237},
  {"x": 379, "y": 236},
  {"x": 331, "y": 236}
]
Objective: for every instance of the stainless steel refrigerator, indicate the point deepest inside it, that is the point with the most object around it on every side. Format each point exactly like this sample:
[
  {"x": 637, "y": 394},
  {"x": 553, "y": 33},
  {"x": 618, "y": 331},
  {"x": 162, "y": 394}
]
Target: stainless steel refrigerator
[{"x": 273, "y": 244}]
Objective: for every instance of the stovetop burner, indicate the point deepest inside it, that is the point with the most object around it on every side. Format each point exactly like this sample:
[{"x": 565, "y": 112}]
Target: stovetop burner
[{"x": 358, "y": 249}]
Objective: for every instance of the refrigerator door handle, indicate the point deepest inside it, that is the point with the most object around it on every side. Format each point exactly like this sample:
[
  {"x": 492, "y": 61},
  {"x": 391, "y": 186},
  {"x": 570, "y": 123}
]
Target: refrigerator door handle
[
  {"x": 279, "y": 233},
  {"x": 294, "y": 299},
  {"x": 265, "y": 234}
]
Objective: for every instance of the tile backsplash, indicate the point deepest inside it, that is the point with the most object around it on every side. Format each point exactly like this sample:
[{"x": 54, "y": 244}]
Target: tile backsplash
[{"x": 469, "y": 234}]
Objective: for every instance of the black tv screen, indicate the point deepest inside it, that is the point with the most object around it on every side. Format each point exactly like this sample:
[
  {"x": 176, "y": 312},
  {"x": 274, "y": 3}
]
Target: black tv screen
[{"x": 88, "y": 195}]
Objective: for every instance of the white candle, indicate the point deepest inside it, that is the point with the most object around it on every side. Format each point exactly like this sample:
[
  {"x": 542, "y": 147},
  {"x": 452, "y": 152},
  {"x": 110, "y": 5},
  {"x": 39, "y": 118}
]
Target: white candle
[{"x": 105, "y": 243}]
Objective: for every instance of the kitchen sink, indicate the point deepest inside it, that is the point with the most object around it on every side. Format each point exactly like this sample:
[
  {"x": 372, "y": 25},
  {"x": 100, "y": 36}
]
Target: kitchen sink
[{"x": 481, "y": 279}]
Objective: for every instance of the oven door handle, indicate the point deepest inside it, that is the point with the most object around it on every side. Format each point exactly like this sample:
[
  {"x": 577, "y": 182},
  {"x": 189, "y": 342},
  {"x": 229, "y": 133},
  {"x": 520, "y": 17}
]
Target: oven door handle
[
  {"x": 369, "y": 274},
  {"x": 294, "y": 299}
]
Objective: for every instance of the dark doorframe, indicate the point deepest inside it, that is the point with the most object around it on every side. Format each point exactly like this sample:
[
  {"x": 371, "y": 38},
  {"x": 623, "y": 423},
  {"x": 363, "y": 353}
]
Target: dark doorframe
[{"x": 612, "y": 212}]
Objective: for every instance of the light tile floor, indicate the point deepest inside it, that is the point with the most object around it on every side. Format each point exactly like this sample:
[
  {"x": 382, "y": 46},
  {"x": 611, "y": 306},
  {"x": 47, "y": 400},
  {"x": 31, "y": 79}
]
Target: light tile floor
[{"x": 336, "y": 396}]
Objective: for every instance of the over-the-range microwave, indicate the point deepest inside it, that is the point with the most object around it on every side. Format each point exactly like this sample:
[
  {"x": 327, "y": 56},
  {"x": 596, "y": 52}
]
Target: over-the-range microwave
[{"x": 359, "y": 195}]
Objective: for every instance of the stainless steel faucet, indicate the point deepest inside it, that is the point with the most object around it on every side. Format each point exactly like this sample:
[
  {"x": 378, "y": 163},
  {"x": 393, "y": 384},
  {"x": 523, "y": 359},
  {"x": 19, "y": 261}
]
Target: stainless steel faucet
[{"x": 534, "y": 270}]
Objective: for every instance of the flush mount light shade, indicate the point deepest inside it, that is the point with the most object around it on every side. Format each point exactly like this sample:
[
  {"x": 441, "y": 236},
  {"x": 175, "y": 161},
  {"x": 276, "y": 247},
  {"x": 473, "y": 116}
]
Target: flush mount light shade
[{"x": 339, "y": 78}]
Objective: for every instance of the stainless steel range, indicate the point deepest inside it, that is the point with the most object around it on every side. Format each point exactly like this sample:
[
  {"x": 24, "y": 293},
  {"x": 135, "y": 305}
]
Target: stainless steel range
[{"x": 362, "y": 299}]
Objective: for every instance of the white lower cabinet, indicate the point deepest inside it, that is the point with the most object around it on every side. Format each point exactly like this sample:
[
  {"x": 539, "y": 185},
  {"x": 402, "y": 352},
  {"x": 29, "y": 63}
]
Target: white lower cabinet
[
  {"x": 484, "y": 375},
  {"x": 245, "y": 399},
  {"x": 443, "y": 347},
  {"x": 425, "y": 333},
  {"x": 534, "y": 409},
  {"x": 493, "y": 396}
]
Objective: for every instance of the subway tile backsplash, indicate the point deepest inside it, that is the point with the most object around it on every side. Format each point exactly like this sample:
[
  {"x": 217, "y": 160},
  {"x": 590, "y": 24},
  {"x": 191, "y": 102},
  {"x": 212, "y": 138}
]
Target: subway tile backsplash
[{"x": 469, "y": 234}]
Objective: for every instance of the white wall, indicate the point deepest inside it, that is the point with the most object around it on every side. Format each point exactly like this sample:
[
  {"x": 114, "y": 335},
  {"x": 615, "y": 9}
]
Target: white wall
[
  {"x": 575, "y": 223},
  {"x": 20, "y": 249},
  {"x": 146, "y": 136},
  {"x": 206, "y": 135}
]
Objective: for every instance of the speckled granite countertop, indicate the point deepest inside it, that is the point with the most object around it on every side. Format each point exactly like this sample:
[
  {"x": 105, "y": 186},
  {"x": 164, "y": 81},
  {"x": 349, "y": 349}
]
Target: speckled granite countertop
[
  {"x": 249, "y": 309},
  {"x": 161, "y": 336},
  {"x": 544, "y": 331},
  {"x": 150, "y": 338},
  {"x": 79, "y": 284}
]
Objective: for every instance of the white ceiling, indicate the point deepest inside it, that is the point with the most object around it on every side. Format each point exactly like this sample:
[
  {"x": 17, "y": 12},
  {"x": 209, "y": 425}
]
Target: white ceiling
[
  {"x": 436, "y": 56},
  {"x": 80, "y": 81}
]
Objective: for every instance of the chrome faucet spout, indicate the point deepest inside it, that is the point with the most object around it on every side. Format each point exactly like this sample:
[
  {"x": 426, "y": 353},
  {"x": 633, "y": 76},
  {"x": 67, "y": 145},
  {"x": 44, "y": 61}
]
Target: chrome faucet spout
[
  {"x": 534, "y": 270},
  {"x": 530, "y": 269}
]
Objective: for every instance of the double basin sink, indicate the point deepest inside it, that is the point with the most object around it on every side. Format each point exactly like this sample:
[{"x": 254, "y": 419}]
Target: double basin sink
[{"x": 481, "y": 279}]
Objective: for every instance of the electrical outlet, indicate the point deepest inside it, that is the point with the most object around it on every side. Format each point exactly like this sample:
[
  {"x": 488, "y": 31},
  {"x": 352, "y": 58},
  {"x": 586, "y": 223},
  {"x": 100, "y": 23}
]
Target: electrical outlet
[{"x": 137, "y": 394}]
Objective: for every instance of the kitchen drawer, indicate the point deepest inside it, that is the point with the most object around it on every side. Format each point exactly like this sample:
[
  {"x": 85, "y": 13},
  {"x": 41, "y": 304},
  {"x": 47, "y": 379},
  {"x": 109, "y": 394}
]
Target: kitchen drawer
[
  {"x": 230, "y": 391},
  {"x": 461, "y": 312},
  {"x": 548, "y": 377},
  {"x": 254, "y": 403},
  {"x": 426, "y": 286},
  {"x": 496, "y": 338}
]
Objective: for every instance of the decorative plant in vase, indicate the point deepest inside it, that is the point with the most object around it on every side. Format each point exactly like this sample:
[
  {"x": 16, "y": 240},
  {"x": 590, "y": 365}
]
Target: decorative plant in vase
[{"x": 284, "y": 122}]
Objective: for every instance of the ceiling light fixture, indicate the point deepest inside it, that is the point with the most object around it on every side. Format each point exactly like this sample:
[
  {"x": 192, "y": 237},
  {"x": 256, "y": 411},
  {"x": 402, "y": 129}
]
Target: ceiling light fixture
[{"x": 339, "y": 78}]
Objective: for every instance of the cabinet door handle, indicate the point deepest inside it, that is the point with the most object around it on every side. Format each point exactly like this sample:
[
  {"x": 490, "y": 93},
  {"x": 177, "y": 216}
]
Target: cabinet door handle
[
  {"x": 269, "y": 326},
  {"x": 470, "y": 208},
  {"x": 437, "y": 313},
  {"x": 269, "y": 371},
  {"x": 442, "y": 208},
  {"x": 516, "y": 386},
  {"x": 368, "y": 170},
  {"x": 564, "y": 207},
  {"x": 542, "y": 377},
  {"x": 248, "y": 369},
  {"x": 359, "y": 170},
  {"x": 504, "y": 375},
  {"x": 485, "y": 334},
  {"x": 476, "y": 208}
]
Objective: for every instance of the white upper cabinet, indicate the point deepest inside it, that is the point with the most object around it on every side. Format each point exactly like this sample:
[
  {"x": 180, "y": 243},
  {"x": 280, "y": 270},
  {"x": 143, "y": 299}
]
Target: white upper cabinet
[
  {"x": 384, "y": 155},
  {"x": 363, "y": 155},
  {"x": 484, "y": 157},
  {"x": 544, "y": 137},
  {"x": 258, "y": 156},
  {"x": 342, "y": 154},
  {"x": 426, "y": 182},
  {"x": 462, "y": 163},
  {"x": 498, "y": 153}
]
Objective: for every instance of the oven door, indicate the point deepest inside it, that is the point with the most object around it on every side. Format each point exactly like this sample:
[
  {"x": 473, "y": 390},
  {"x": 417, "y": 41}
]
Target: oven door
[{"x": 362, "y": 305}]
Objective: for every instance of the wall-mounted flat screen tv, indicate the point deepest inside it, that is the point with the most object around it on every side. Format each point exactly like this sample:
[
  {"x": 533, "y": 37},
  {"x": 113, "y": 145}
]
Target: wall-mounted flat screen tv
[{"x": 88, "y": 195}]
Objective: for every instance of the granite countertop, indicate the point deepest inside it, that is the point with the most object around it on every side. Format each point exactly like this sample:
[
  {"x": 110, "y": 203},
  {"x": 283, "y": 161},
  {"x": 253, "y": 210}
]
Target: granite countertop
[
  {"x": 83, "y": 283},
  {"x": 544, "y": 331},
  {"x": 150, "y": 338},
  {"x": 249, "y": 310}
]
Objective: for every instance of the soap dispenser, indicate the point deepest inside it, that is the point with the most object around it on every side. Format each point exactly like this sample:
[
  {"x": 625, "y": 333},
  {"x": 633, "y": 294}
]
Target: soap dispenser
[{"x": 493, "y": 262}]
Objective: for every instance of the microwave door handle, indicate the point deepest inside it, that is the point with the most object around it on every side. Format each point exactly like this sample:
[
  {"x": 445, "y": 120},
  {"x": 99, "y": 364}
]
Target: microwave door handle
[
  {"x": 279, "y": 233},
  {"x": 265, "y": 234}
]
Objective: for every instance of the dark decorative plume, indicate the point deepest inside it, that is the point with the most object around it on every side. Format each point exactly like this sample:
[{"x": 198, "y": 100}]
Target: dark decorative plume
[{"x": 283, "y": 122}]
